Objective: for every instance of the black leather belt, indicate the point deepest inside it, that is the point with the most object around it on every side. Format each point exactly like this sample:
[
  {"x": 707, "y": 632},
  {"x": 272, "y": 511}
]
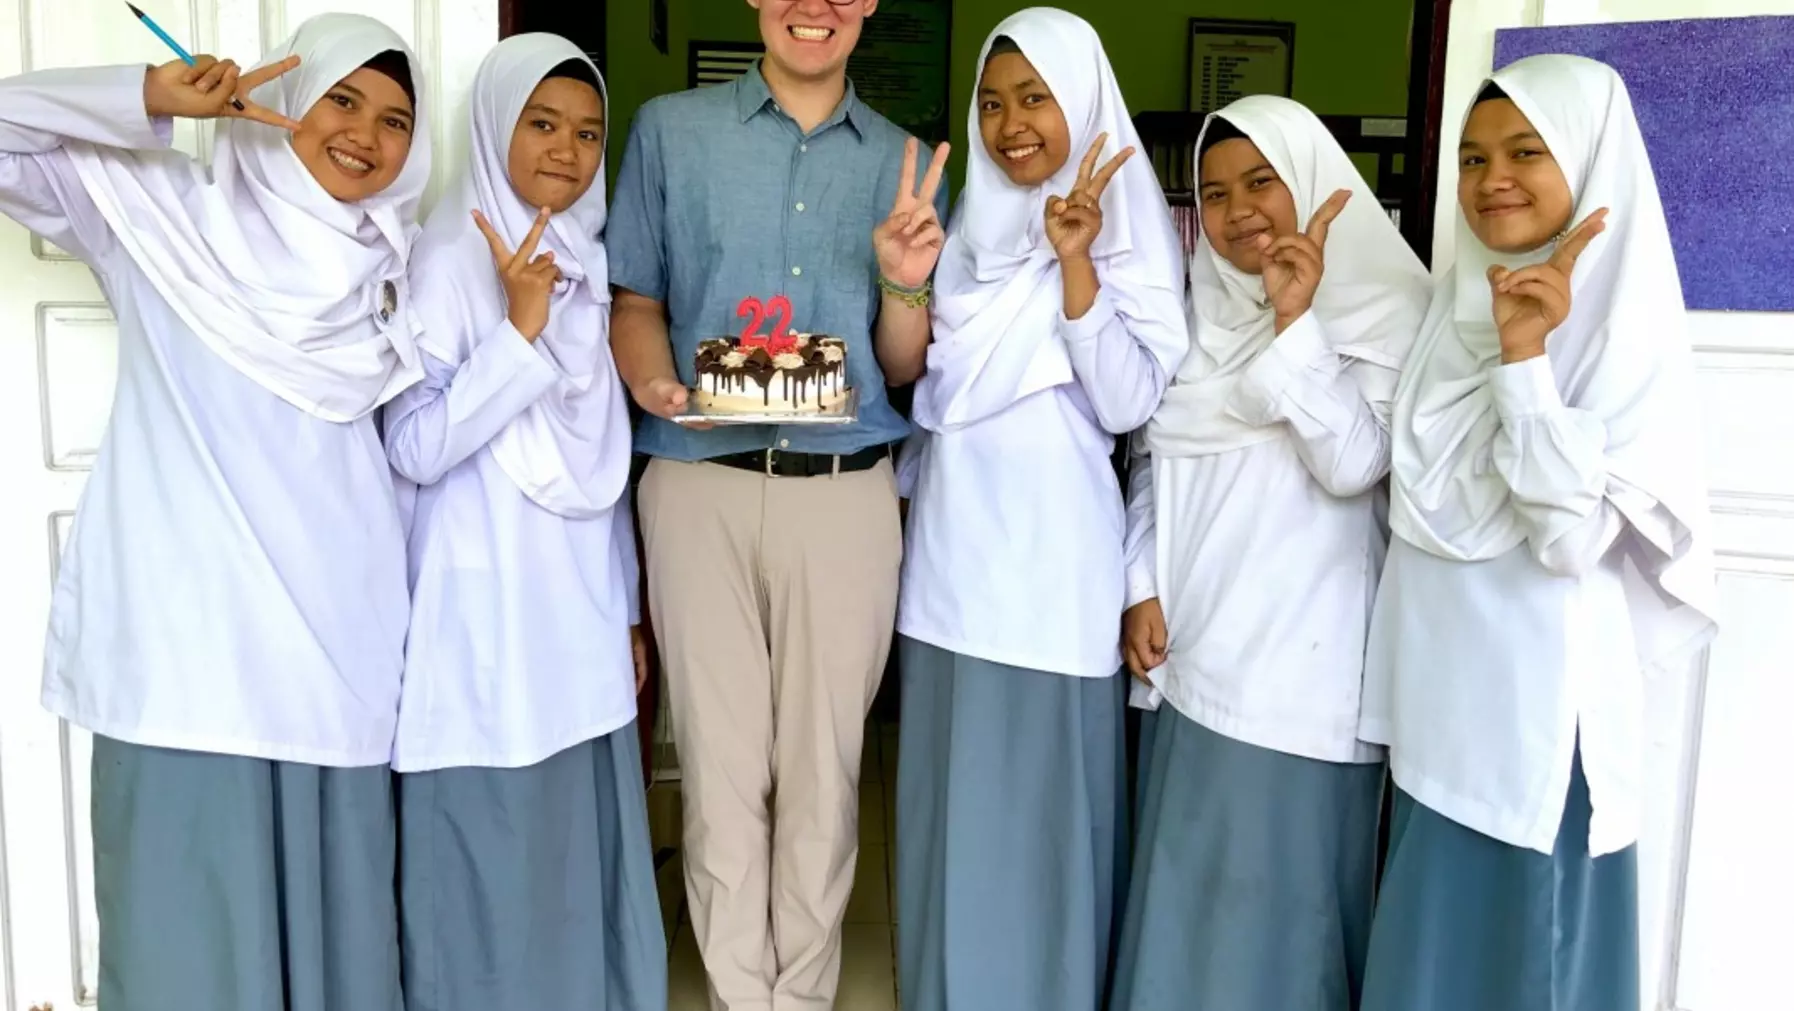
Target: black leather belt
[{"x": 778, "y": 463}]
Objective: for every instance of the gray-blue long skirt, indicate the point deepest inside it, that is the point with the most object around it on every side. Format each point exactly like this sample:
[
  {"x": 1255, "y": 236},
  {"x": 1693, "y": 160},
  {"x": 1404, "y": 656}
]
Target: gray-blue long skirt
[
  {"x": 1011, "y": 834},
  {"x": 532, "y": 887},
  {"x": 1471, "y": 924},
  {"x": 240, "y": 884},
  {"x": 1253, "y": 875}
]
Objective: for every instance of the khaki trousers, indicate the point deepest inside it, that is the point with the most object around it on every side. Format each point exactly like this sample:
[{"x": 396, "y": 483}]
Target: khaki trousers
[{"x": 773, "y": 601}]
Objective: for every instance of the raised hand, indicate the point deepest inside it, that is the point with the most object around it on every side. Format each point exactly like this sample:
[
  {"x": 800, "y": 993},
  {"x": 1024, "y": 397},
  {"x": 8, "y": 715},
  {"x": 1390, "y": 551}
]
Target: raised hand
[
  {"x": 1073, "y": 221},
  {"x": 908, "y": 241},
  {"x": 1293, "y": 264},
  {"x": 1533, "y": 301},
  {"x": 528, "y": 279},
  {"x": 206, "y": 90},
  {"x": 1143, "y": 636}
]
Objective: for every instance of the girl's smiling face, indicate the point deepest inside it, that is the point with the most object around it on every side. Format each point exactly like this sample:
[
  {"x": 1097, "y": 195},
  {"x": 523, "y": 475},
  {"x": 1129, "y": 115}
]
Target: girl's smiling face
[
  {"x": 1020, "y": 121},
  {"x": 558, "y": 144},
  {"x": 1511, "y": 190},
  {"x": 354, "y": 140},
  {"x": 1243, "y": 199}
]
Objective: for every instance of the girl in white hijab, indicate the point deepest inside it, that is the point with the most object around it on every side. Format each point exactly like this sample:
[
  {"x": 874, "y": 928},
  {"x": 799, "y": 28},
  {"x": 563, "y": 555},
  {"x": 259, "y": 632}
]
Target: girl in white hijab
[
  {"x": 1549, "y": 513},
  {"x": 1057, "y": 323},
  {"x": 229, "y": 616},
  {"x": 1254, "y": 553},
  {"x": 527, "y": 877}
]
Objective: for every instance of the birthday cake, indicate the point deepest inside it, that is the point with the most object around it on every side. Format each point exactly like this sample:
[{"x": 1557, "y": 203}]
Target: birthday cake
[
  {"x": 784, "y": 372},
  {"x": 793, "y": 374}
]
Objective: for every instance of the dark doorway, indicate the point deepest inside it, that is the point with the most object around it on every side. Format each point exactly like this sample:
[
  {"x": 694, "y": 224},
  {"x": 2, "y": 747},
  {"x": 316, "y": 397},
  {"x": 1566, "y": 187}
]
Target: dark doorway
[
  {"x": 1426, "y": 99},
  {"x": 581, "y": 22}
]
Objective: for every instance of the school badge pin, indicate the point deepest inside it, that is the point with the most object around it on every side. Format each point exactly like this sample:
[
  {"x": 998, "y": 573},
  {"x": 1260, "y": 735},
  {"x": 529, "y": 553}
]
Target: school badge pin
[{"x": 389, "y": 301}]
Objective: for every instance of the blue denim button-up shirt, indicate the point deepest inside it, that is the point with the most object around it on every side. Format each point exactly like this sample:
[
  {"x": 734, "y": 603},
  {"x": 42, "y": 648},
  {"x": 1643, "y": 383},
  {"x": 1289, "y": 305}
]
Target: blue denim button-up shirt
[{"x": 722, "y": 196}]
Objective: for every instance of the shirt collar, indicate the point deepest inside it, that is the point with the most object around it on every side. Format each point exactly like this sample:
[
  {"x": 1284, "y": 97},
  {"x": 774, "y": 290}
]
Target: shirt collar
[{"x": 752, "y": 95}]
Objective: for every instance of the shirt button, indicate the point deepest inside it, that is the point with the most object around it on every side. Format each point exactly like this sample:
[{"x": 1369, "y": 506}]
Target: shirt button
[
  {"x": 800, "y": 207},
  {"x": 784, "y": 443},
  {"x": 797, "y": 271},
  {"x": 803, "y": 147}
]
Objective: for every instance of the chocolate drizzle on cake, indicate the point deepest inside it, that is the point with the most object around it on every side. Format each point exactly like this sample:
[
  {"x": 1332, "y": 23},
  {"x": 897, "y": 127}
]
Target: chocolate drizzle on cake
[{"x": 804, "y": 375}]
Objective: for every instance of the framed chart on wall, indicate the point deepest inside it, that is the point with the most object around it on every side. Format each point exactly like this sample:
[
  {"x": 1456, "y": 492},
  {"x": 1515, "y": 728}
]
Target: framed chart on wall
[
  {"x": 900, "y": 66},
  {"x": 1232, "y": 59}
]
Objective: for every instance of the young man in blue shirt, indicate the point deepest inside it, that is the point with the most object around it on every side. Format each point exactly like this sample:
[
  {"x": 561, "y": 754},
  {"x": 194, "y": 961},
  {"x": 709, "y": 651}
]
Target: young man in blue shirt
[{"x": 773, "y": 551}]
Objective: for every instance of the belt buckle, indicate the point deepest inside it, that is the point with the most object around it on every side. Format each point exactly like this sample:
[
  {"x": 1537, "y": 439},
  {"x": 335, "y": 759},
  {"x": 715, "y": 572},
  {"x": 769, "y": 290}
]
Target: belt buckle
[{"x": 771, "y": 454}]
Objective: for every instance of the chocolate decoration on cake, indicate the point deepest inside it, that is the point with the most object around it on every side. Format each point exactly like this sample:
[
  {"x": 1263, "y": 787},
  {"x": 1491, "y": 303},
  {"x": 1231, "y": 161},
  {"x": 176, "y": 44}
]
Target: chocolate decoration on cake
[{"x": 805, "y": 374}]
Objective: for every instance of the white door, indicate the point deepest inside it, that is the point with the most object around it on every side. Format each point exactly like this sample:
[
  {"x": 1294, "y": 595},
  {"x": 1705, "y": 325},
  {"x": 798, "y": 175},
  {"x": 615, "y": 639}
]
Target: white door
[
  {"x": 56, "y": 375},
  {"x": 1717, "y": 858}
]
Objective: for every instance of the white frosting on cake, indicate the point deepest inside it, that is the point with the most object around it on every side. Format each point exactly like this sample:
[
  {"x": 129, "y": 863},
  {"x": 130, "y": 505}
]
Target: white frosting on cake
[{"x": 794, "y": 383}]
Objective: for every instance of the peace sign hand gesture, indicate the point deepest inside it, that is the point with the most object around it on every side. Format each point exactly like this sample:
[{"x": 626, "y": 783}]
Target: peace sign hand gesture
[
  {"x": 1533, "y": 301},
  {"x": 908, "y": 242},
  {"x": 1074, "y": 220},
  {"x": 528, "y": 279},
  {"x": 1294, "y": 264},
  {"x": 206, "y": 90}
]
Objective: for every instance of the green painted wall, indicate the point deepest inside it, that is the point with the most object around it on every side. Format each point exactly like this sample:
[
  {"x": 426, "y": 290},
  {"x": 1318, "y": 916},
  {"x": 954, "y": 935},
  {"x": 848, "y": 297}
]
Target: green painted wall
[{"x": 1351, "y": 55}]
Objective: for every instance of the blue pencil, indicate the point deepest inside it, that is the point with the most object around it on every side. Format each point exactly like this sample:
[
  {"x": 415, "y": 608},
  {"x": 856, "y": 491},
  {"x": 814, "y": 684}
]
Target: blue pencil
[{"x": 182, "y": 54}]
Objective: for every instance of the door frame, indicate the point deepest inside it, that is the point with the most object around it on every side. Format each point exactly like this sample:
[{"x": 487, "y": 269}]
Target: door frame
[{"x": 1426, "y": 107}]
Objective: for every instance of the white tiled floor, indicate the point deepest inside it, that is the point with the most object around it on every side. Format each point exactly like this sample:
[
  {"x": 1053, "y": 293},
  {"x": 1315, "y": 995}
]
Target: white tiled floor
[{"x": 868, "y": 970}]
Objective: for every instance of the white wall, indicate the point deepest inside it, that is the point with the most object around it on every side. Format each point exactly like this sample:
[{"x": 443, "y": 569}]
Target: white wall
[{"x": 1716, "y": 863}]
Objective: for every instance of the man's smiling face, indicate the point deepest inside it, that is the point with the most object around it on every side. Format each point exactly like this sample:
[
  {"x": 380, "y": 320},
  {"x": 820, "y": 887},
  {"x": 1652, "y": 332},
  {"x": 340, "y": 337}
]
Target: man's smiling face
[{"x": 811, "y": 39}]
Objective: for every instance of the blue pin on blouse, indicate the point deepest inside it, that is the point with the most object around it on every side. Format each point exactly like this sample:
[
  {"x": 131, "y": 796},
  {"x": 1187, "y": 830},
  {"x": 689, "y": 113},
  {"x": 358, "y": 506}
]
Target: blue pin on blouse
[{"x": 179, "y": 52}]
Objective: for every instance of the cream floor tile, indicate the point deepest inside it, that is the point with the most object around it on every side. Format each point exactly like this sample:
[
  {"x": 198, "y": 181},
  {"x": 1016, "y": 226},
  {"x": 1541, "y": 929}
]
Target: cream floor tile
[
  {"x": 873, "y": 827},
  {"x": 871, "y": 766},
  {"x": 871, "y": 898},
  {"x": 664, "y": 814},
  {"x": 887, "y": 751},
  {"x": 868, "y": 970},
  {"x": 669, "y": 881},
  {"x": 868, "y": 977},
  {"x": 686, "y": 989},
  {"x": 890, "y": 800}
]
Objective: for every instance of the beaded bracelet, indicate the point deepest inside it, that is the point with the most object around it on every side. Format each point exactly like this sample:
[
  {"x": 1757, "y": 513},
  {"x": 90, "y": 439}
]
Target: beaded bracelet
[{"x": 915, "y": 298}]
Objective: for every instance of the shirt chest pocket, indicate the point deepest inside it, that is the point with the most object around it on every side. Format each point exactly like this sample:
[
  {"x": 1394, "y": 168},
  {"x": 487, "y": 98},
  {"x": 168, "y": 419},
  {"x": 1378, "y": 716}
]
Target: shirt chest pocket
[{"x": 850, "y": 211}]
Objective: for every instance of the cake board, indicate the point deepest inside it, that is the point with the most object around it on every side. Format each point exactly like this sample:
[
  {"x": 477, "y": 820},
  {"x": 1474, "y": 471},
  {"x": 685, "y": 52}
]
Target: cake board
[{"x": 844, "y": 413}]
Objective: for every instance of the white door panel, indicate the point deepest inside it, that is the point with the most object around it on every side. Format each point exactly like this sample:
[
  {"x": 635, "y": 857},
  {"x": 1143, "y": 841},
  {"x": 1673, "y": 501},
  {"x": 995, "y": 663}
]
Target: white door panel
[
  {"x": 57, "y": 362},
  {"x": 1716, "y": 877}
]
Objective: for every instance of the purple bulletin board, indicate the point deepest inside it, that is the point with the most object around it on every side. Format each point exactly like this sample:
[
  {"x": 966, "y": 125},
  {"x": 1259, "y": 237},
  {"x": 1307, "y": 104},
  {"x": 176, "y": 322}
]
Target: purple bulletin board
[{"x": 1715, "y": 100}]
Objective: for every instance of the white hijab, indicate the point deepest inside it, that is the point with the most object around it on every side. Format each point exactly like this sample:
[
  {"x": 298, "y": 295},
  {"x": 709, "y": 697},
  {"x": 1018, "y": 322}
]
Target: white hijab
[
  {"x": 997, "y": 288},
  {"x": 303, "y": 294},
  {"x": 568, "y": 451},
  {"x": 1371, "y": 300},
  {"x": 1623, "y": 356}
]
